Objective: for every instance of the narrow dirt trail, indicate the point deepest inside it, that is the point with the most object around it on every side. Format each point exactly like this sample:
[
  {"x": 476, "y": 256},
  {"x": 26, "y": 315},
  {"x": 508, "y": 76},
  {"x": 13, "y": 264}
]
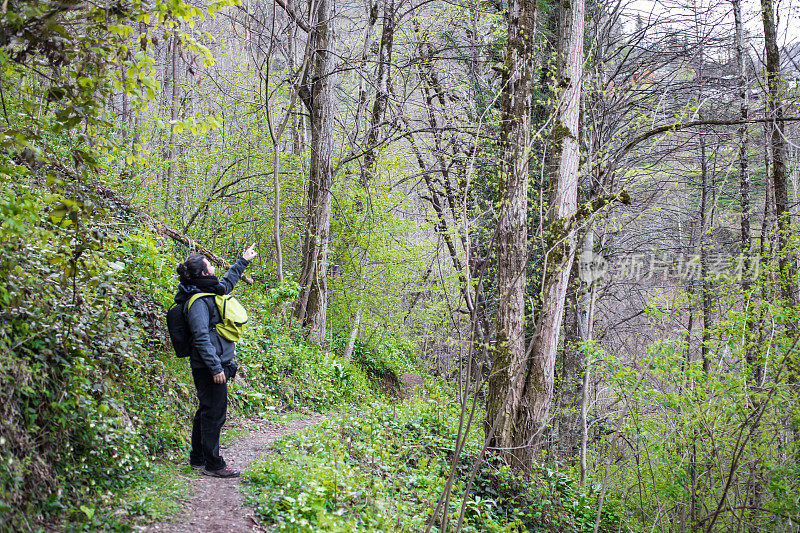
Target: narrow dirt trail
[{"x": 216, "y": 505}]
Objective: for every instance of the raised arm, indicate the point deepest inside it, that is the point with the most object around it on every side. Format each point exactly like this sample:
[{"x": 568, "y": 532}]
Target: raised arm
[{"x": 233, "y": 274}]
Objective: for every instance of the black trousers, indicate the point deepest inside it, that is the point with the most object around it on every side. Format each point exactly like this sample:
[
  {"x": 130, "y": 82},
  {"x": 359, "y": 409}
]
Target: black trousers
[{"x": 208, "y": 420}]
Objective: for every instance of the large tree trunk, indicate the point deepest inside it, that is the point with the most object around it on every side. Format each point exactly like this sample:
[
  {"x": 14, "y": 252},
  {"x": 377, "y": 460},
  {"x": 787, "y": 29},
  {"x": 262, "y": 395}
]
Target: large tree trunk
[
  {"x": 752, "y": 487},
  {"x": 507, "y": 375},
  {"x": 744, "y": 113},
  {"x": 778, "y": 145},
  {"x": 521, "y": 387},
  {"x": 705, "y": 284},
  {"x": 382, "y": 89},
  {"x": 786, "y": 257},
  {"x": 173, "y": 114},
  {"x": 744, "y": 177},
  {"x": 563, "y": 172},
  {"x": 296, "y": 122},
  {"x": 318, "y": 96},
  {"x": 372, "y": 18}
]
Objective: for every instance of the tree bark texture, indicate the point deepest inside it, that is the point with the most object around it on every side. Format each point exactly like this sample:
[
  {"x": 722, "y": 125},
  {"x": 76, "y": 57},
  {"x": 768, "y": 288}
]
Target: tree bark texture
[
  {"x": 563, "y": 171},
  {"x": 778, "y": 145},
  {"x": 382, "y": 89},
  {"x": 521, "y": 385},
  {"x": 507, "y": 375},
  {"x": 173, "y": 114},
  {"x": 744, "y": 176},
  {"x": 296, "y": 122},
  {"x": 372, "y": 17},
  {"x": 705, "y": 284},
  {"x": 744, "y": 114},
  {"x": 318, "y": 96}
]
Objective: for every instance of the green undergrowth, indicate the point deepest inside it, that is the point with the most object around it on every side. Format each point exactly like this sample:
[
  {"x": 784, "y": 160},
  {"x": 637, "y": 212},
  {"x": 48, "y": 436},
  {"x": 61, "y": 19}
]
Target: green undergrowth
[
  {"x": 89, "y": 394},
  {"x": 384, "y": 469},
  {"x": 92, "y": 398},
  {"x": 385, "y": 362},
  {"x": 359, "y": 472},
  {"x": 280, "y": 370},
  {"x": 155, "y": 495}
]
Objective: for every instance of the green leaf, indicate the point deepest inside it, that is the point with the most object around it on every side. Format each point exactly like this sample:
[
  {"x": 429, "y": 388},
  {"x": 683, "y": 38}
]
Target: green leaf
[{"x": 55, "y": 94}]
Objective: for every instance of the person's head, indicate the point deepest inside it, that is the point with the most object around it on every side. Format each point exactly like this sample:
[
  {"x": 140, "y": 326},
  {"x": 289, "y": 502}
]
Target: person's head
[{"x": 195, "y": 266}]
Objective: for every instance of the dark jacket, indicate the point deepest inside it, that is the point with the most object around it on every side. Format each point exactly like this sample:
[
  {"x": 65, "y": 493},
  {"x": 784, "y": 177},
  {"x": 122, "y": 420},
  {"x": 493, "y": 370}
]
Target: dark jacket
[{"x": 210, "y": 350}]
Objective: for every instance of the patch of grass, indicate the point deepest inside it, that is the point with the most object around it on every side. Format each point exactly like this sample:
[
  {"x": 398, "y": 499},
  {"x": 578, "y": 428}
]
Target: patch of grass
[
  {"x": 158, "y": 495},
  {"x": 288, "y": 417}
]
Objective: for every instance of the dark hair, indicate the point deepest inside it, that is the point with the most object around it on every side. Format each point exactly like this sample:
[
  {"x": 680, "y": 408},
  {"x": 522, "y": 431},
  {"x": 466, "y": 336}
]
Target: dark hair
[{"x": 192, "y": 268}]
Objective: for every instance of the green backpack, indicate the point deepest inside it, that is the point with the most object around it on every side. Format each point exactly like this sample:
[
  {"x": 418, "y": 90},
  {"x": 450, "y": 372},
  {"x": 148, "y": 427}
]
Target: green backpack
[{"x": 233, "y": 315}]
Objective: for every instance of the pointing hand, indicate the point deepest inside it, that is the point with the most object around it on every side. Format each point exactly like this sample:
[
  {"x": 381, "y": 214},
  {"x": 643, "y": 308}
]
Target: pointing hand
[{"x": 250, "y": 253}]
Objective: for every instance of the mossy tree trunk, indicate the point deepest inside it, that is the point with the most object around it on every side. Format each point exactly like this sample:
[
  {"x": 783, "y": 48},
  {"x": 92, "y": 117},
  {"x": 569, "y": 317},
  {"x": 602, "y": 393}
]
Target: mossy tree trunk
[
  {"x": 381, "y": 90},
  {"x": 521, "y": 383},
  {"x": 509, "y": 365},
  {"x": 563, "y": 169},
  {"x": 786, "y": 256},
  {"x": 778, "y": 146},
  {"x": 318, "y": 96}
]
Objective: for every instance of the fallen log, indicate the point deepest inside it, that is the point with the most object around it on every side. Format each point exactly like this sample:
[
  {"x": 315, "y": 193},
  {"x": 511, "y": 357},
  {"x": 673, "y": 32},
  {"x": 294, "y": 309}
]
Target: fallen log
[
  {"x": 160, "y": 227},
  {"x": 164, "y": 229}
]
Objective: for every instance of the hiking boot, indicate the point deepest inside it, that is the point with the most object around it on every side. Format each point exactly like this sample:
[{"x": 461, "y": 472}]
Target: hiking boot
[
  {"x": 197, "y": 468},
  {"x": 222, "y": 472}
]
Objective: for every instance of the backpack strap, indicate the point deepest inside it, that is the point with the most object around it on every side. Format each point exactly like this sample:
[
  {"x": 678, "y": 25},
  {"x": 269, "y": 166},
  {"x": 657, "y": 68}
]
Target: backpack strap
[{"x": 208, "y": 301}]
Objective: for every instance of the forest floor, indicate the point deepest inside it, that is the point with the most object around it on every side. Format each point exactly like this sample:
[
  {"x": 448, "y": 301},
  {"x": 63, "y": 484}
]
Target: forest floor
[{"x": 217, "y": 505}]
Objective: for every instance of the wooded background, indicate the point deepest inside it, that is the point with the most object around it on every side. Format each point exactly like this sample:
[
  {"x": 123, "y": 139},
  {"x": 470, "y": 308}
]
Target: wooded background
[{"x": 455, "y": 173}]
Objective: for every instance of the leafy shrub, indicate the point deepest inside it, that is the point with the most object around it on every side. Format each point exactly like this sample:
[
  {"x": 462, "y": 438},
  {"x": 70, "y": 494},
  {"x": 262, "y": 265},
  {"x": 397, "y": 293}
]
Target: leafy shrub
[
  {"x": 279, "y": 367},
  {"x": 84, "y": 395},
  {"x": 547, "y": 499},
  {"x": 692, "y": 435}
]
